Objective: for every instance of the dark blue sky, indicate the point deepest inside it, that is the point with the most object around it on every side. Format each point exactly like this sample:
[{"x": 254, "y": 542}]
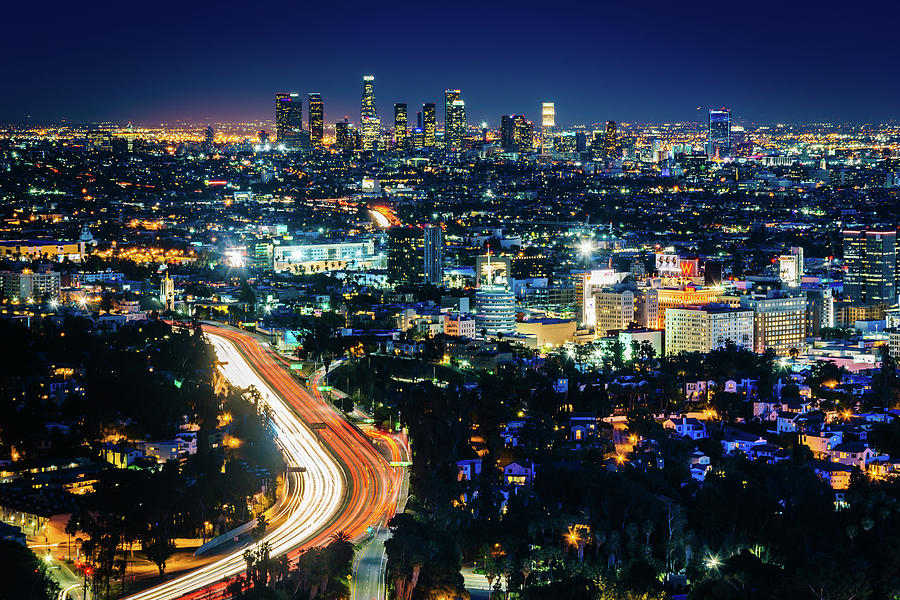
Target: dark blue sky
[{"x": 648, "y": 61}]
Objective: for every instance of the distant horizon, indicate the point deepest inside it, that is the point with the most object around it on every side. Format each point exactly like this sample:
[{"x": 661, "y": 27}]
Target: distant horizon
[{"x": 800, "y": 62}]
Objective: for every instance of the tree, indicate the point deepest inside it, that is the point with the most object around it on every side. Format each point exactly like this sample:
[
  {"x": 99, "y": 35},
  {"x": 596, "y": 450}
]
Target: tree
[
  {"x": 159, "y": 548},
  {"x": 24, "y": 574}
]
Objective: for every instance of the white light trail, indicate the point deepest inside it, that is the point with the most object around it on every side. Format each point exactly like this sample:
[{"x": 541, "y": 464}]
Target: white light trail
[{"x": 303, "y": 512}]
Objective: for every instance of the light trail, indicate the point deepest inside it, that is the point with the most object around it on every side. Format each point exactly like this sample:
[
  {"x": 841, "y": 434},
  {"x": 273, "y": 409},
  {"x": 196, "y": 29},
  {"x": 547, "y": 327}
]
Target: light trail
[{"x": 347, "y": 485}]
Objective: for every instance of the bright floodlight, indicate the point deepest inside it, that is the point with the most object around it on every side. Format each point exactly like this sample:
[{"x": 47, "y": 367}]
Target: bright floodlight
[{"x": 586, "y": 248}]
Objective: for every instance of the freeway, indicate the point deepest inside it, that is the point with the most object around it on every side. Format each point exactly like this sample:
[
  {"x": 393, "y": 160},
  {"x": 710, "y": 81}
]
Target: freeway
[{"x": 346, "y": 486}]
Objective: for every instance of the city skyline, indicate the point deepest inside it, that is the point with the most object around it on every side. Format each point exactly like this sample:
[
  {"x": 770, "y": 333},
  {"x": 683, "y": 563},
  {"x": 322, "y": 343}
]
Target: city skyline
[{"x": 653, "y": 65}]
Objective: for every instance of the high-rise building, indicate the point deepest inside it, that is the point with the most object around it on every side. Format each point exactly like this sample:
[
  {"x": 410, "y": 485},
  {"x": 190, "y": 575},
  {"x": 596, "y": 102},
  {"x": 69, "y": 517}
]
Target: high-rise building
[
  {"x": 790, "y": 267},
  {"x": 516, "y": 133},
  {"x": 29, "y": 286},
  {"x": 288, "y": 119},
  {"x": 705, "y": 328},
  {"x": 779, "y": 321},
  {"x": 209, "y": 137},
  {"x": 454, "y": 119},
  {"x": 619, "y": 308},
  {"x": 495, "y": 306},
  {"x": 718, "y": 137},
  {"x": 433, "y": 254},
  {"x": 548, "y": 123},
  {"x": 429, "y": 124},
  {"x": 404, "y": 255},
  {"x": 870, "y": 260},
  {"x": 401, "y": 127},
  {"x": 610, "y": 149},
  {"x": 370, "y": 124},
  {"x": 316, "y": 119},
  {"x": 346, "y": 136}
]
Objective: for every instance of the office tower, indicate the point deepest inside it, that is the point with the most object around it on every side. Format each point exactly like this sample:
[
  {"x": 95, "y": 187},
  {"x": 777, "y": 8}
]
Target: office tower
[
  {"x": 790, "y": 267},
  {"x": 495, "y": 307},
  {"x": 516, "y": 133},
  {"x": 417, "y": 138},
  {"x": 346, "y": 135},
  {"x": 617, "y": 308},
  {"x": 548, "y": 123},
  {"x": 779, "y": 321},
  {"x": 705, "y": 328},
  {"x": 429, "y": 124},
  {"x": 209, "y": 137},
  {"x": 610, "y": 149},
  {"x": 405, "y": 262},
  {"x": 433, "y": 254},
  {"x": 580, "y": 141},
  {"x": 454, "y": 119},
  {"x": 597, "y": 141},
  {"x": 370, "y": 124},
  {"x": 819, "y": 310},
  {"x": 870, "y": 260},
  {"x": 316, "y": 119},
  {"x": 401, "y": 131},
  {"x": 288, "y": 119},
  {"x": 718, "y": 141},
  {"x": 524, "y": 135}
]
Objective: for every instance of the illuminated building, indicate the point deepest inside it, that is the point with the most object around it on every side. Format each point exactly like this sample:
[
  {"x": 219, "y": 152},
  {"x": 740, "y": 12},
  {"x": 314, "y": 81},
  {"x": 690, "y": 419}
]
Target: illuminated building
[
  {"x": 620, "y": 308},
  {"x": 370, "y": 124},
  {"x": 27, "y": 286},
  {"x": 870, "y": 260},
  {"x": 495, "y": 310},
  {"x": 454, "y": 119},
  {"x": 718, "y": 136},
  {"x": 585, "y": 286},
  {"x": 316, "y": 119},
  {"x": 346, "y": 135},
  {"x": 401, "y": 131},
  {"x": 819, "y": 310},
  {"x": 262, "y": 137},
  {"x": 705, "y": 328},
  {"x": 516, "y": 133},
  {"x": 46, "y": 249},
  {"x": 689, "y": 296},
  {"x": 433, "y": 254},
  {"x": 209, "y": 137},
  {"x": 779, "y": 321},
  {"x": 790, "y": 267},
  {"x": 459, "y": 325},
  {"x": 548, "y": 123},
  {"x": 404, "y": 255},
  {"x": 167, "y": 292},
  {"x": 609, "y": 144},
  {"x": 597, "y": 140},
  {"x": 429, "y": 125},
  {"x": 324, "y": 256},
  {"x": 288, "y": 119}
]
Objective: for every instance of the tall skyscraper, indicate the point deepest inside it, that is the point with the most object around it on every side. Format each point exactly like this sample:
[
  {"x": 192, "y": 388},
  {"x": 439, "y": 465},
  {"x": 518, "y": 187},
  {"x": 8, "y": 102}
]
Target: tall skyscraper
[
  {"x": 316, "y": 119},
  {"x": 401, "y": 127},
  {"x": 346, "y": 135},
  {"x": 404, "y": 255},
  {"x": 495, "y": 306},
  {"x": 288, "y": 119},
  {"x": 870, "y": 260},
  {"x": 516, "y": 133},
  {"x": 548, "y": 123},
  {"x": 429, "y": 124},
  {"x": 433, "y": 254},
  {"x": 610, "y": 144},
  {"x": 370, "y": 124},
  {"x": 454, "y": 119},
  {"x": 209, "y": 138},
  {"x": 719, "y": 133}
]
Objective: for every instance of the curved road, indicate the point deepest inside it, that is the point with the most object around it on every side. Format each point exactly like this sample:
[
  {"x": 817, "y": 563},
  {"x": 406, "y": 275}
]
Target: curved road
[{"x": 347, "y": 485}]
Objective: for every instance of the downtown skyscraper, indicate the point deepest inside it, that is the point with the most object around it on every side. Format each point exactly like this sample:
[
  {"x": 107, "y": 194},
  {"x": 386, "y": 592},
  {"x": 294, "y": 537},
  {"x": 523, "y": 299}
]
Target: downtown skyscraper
[
  {"x": 288, "y": 119},
  {"x": 401, "y": 126},
  {"x": 870, "y": 257},
  {"x": 454, "y": 119},
  {"x": 316, "y": 119},
  {"x": 429, "y": 125},
  {"x": 370, "y": 124},
  {"x": 718, "y": 135}
]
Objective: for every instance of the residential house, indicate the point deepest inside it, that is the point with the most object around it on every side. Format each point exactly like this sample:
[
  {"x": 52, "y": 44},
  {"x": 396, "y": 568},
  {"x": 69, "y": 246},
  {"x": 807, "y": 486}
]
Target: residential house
[{"x": 687, "y": 427}]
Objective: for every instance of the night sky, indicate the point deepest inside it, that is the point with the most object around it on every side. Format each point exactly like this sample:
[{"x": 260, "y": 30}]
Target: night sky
[{"x": 649, "y": 60}]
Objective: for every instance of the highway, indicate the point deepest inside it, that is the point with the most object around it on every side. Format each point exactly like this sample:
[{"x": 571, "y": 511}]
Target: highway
[{"x": 347, "y": 485}]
